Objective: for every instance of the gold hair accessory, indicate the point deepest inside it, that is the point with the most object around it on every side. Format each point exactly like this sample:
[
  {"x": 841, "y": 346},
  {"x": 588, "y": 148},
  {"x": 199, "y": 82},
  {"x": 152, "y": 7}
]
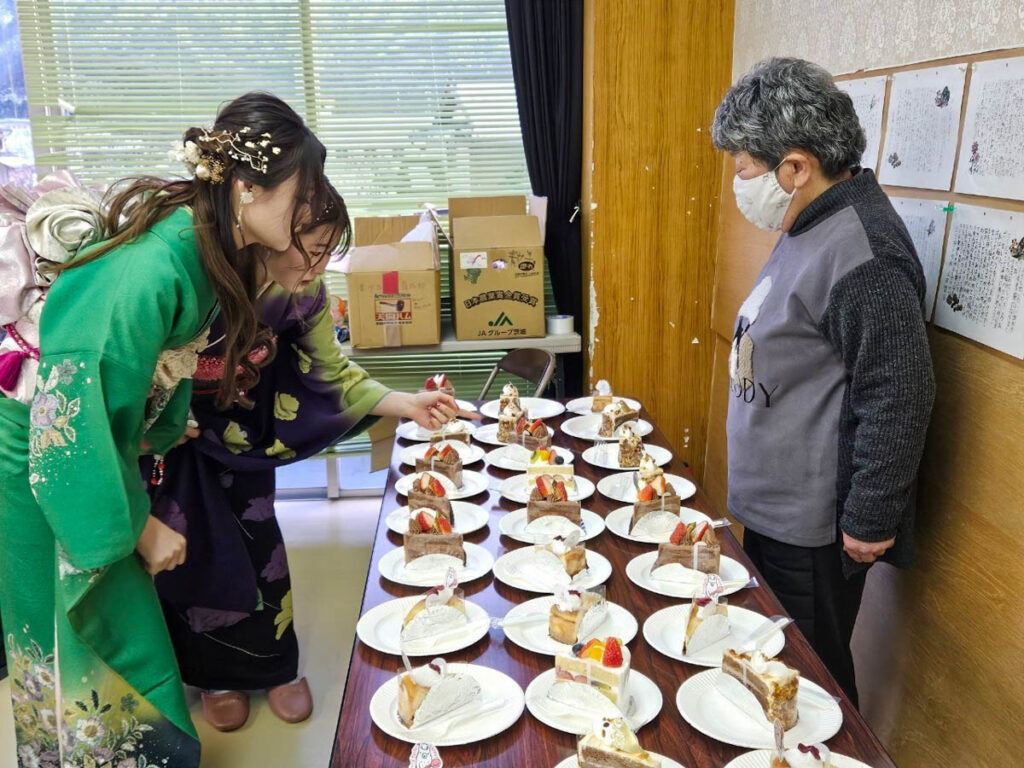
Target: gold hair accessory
[{"x": 237, "y": 146}]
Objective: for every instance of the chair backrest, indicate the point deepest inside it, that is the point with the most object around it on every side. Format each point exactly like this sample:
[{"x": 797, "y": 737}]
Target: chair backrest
[{"x": 535, "y": 365}]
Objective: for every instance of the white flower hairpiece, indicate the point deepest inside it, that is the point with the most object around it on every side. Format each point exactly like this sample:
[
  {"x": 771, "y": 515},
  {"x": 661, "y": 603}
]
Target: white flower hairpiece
[{"x": 206, "y": 166}]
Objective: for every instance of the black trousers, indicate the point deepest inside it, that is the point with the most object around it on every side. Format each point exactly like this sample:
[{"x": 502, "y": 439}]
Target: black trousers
[{"x": 809, "y": 583}]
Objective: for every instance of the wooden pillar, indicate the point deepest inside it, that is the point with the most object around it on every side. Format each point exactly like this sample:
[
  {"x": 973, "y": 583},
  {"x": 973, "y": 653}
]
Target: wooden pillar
[{"x": 654, "y": 71}]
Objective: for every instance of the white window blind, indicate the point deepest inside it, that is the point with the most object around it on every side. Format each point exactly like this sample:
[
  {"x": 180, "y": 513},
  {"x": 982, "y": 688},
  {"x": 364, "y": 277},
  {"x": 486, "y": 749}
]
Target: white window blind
[{"x": 414, "y": 100}]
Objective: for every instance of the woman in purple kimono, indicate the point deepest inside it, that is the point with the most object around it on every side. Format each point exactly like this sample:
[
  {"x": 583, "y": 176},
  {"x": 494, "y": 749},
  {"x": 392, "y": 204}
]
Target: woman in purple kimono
[{"x": 229, "y": 607}]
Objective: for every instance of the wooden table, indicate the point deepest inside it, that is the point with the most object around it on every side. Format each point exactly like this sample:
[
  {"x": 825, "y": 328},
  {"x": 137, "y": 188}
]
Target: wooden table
[{"x": 359, "y": 742}]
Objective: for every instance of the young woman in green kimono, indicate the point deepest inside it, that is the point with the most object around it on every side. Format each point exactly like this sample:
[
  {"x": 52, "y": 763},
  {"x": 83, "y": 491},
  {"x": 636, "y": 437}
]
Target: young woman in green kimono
[{"x": 93, "y": 675}]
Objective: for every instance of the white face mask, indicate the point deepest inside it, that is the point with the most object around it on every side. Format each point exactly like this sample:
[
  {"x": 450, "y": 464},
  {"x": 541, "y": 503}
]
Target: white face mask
[{"x": 762, "y": 200}]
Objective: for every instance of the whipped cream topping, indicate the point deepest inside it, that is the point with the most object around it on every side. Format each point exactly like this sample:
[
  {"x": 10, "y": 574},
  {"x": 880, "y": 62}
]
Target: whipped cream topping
[
  {"x": 430, "y": 674},
  {"x": 561, "y": 545},
  {"x": 614, "y": 408},
  {"x": 603, "y": 388},
  {"x": 626, "y": 434},
  {"x": 510, "y": 390},
  {"x": 567, "y": 599},
  {"x": 648, "y": 468},
  {"x": 763, "y": 665},
  {"x": 616, "y": 734},
  {"x": 452, "y": 427},
  {"x": 440, "y": 380},
  {"x": 511, "y": 411},
  {"x": 804, "y": 756}
]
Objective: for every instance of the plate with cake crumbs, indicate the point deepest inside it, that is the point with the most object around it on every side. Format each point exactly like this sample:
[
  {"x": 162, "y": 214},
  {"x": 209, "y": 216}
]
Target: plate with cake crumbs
[{"x": 703, "y": 706}]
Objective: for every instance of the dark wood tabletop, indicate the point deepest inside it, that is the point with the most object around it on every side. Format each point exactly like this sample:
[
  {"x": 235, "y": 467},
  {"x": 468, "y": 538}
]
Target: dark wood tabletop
[{"x": 358, "y": 742}]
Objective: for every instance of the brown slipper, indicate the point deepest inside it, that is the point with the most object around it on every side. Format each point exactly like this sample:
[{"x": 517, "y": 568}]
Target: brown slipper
[
  {"x": 226, "y": 711},
  {"x": 293, "y": 703}
]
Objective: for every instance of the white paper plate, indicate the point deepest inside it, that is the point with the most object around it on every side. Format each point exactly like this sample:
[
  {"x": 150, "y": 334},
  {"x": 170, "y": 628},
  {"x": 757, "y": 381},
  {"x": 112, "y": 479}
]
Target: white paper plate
[
  {"x": 472, "y": 484},
  {"x": 606, "y": 456},
  {"x": 619, "y": 520},
  {"x": 515, "y": 458},
  {"x": 536, "y": 408},
  {"x": 706, "y": 709},
  {"x": 410, "y": 430},
  {"x": 762, "y": 758},
  {"x": 582, "y": 405},
  {"x": 519, "y": 487},
  {"x": 392, "y": 567},
  {"x": 586, "y": 428},
  {"x": 645, "y": 704},
  {"x": 534, "y": 637},
  {"x": 468, "y": 518},
  {"x": 465, "y": 730},
  {"x": 599, "y": 570},
  {"x": 488, "y": 433},
  {"x": 513, "y": 525},
  {"x": 381, "y": 628},
  {"x": 734, "y": 576},
  {"x": 666, "y": 762},
  {"x": 620, "y": 487},
  {"x": 664, "y": 632},
  {"x": 468, "y": 452}
]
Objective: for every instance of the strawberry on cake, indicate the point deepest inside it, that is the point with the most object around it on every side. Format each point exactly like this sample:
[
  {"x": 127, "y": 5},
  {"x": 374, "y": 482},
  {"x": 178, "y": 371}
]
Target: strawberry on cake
[
  {"x": 550, "y": 496},
  {"x": 593, "y": 676},
  {"x": 439, "y": 383},
  {"x": 442, "y": 458},
  {"x": 428, "y": 492},
  {"x": 430, "y": 538},
  {"x": 693, "y": 547}
]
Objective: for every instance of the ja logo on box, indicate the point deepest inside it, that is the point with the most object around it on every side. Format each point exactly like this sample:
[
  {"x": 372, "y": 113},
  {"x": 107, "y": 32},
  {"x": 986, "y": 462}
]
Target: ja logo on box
[{"x": 501, "y": 320}]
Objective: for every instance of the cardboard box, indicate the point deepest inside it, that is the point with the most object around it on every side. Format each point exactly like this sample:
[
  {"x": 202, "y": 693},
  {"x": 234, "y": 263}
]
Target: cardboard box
[
  {"x": 497, "y": 269},
  {"x": 394, "y": 287}
]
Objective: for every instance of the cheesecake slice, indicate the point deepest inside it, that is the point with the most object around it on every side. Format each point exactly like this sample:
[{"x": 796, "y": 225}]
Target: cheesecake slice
[
  {"x": 431, "y": 691},
  {"x": 440, "y": 609},
  {"x": 707, "y": 622},
  {"x": 575, "y": 616},
  {"x": 773, "y": 684},
  {"x": 612, "y": 744}
]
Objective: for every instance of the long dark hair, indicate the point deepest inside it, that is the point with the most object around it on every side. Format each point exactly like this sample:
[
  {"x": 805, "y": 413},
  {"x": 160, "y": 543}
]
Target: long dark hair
[{"x": 135, "y": 205}]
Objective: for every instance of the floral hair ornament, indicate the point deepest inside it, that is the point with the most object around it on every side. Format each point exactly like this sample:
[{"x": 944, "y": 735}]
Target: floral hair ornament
[{"x": 238, "y": 146}]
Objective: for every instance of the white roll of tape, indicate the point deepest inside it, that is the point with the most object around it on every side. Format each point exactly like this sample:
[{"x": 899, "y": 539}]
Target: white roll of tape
[{"x": 559, "y": 324}]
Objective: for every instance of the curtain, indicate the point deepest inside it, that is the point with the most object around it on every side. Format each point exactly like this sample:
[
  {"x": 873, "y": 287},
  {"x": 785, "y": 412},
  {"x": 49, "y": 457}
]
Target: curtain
[{"x": 546, "y": 43}]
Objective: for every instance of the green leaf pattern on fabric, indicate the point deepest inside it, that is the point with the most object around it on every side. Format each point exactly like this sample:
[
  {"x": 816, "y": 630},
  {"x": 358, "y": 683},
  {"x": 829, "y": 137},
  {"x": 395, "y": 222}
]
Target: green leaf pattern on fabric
[
  {"x": 286, "y": 407},
  {"x": 52, "y": 412},
  {"x": 235, "y": 439},
  {"x": 280, "y": 450},
  {"x": 284, "y": 619},
  {"x": 304, "y": 360}
]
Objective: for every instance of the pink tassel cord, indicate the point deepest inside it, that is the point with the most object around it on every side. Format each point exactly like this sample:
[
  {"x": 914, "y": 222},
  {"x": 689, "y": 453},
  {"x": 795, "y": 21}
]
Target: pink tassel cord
[{"x": 11, "y": 361}]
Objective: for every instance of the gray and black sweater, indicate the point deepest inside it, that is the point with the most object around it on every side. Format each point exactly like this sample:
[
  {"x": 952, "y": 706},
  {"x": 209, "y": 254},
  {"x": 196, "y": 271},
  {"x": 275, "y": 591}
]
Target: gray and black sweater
[{"x": 831, "y": 379}]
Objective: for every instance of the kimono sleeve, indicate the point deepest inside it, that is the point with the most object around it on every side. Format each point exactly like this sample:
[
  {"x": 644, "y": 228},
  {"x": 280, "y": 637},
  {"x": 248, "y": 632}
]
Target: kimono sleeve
[
  {"x": 169, "y": 426},
  {"x": 83, "y": 456},
  {"x": 325, "y": 369}
]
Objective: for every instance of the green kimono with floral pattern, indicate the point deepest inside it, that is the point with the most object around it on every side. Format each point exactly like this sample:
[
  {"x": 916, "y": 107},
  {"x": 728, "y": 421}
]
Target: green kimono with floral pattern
[{"x": 93, "y": 674}]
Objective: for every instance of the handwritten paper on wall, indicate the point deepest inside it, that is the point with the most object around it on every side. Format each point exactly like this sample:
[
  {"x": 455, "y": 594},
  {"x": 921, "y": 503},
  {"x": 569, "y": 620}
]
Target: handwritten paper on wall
[
  {"x": 868, "y": 95},
  {"x": 992, "y": 149},
  {"x": 921, "y": 135},
  {"x": 982, "y": 293},
  {"x": 926, "y": 222}
]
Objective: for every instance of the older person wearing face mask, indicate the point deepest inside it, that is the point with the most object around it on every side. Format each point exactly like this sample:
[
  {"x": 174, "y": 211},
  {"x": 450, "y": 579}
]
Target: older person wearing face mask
[{"x": 830, "y": 371}]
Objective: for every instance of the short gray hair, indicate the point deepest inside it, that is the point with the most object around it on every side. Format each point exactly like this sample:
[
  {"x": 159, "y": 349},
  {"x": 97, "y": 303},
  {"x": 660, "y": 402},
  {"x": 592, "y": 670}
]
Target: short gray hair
[{"x": 786, "y": 104}]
